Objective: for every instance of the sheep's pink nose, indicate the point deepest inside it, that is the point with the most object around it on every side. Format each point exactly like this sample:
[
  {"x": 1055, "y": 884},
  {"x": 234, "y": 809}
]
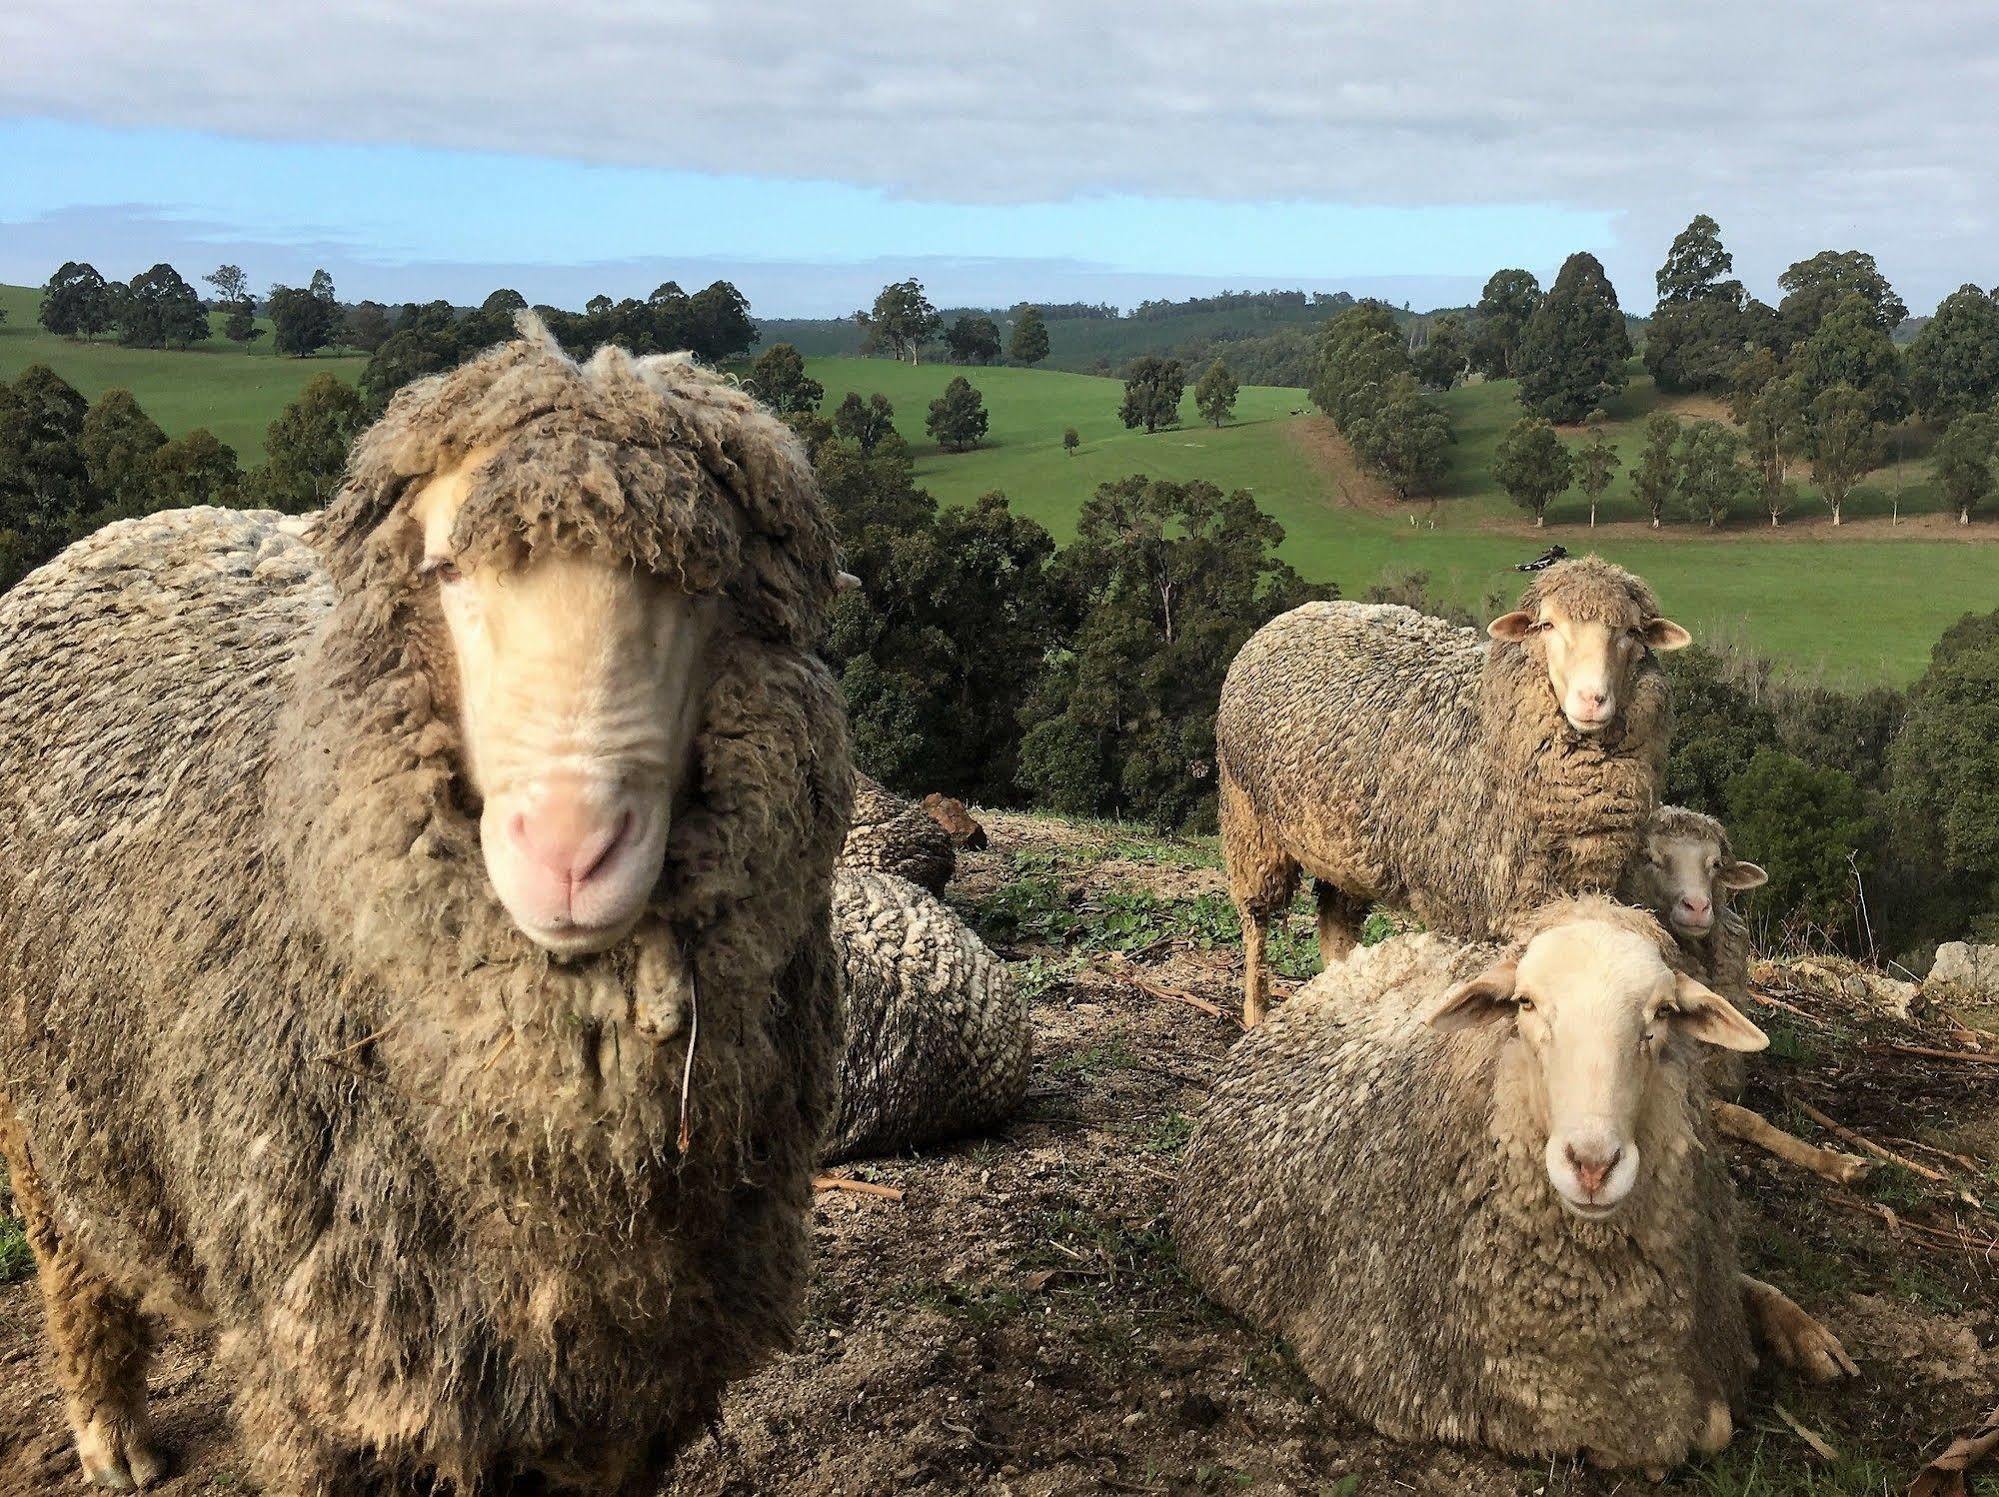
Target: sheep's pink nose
[
  {"x": 570, "y": 834},
  {"x": 1591, "y": 1173},
  {"x": 1592, "y": 701},
  {"x": 1698, "y": 908}
]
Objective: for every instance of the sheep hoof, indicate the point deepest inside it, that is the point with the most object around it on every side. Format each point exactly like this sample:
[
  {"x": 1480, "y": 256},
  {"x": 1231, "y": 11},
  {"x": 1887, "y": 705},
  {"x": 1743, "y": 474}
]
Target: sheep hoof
[
  {"x": 118, "y": 1455},
  {"x": 1720, "y": 1430},
  {"x": 1795, "y": 1339}
]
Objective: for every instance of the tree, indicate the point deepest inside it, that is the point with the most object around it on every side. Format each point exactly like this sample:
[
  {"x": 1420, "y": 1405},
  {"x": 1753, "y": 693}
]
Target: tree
[
  {"x": 1944, "y": 764},
  {"x": 1815, "y": 287},
  {"x": 241, "y": 327},
  {"x": 1772, "y": 417},
  {"x": 1071, "y": 440},
  {"x": 1721, "y": 721},
  {"x": 1029, "y": 344},
  {"x": 76, "y": 302},
  {"x": 1843, "y": 445},
  {"x": 232, "y": 288},
  {"x": 1500, "y": 319},
  {"x": 1695, "y": 264},
  {"x": 1167, "y": 581},
  {"x": 1215, "y": 393},
  {"x": 1596, "y": 463},
  {"x": 779, "y": 379},
  {"x": 195, "y": 469},
  {"x": 1849, "y": 348},
  {"x": 303, "y": 322},
  {"x": 957, "y": 418},
  {"x": 44, "y": 482},
  {"x": 718, "y": 325},
  {"x": 1532, "y": 465},
  {"x": 1152, "y": 389},
  {"x": 1654, "y": 477},
  {"x": 902, "y": 321},
  {"x": 1953, "y": 365},
  {"x": 410, "y": 352},
  {"x": 1572, "y": 354},
  {"x": 1695, "y": 345},
  {"x": 367, "y": 326},
  {"x": 973, "y": 340},
  {"x": 1962, "y": 461},
  {"x": 1446, "y": 353},
  {"x": 1809, "y": 827},
  {"x": 157, "y": 309},
  {"x": 864, "y": 421},
  {"x": 1710, "y": 482},
  {"x": 305, "y": 449},
  {"x": 1360, "y": 355},
  {"x": 118, "y": 441},
  {"x": 1406, "y": 438}
]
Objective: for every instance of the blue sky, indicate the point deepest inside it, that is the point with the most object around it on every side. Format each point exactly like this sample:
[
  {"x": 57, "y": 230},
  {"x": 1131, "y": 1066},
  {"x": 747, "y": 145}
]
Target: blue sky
[{"x": 1052, "y": 149}]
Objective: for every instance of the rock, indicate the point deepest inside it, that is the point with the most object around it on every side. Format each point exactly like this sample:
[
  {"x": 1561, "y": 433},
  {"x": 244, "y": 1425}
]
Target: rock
[
  {"x": 1837, "y": 978},
  {"x": 1970, "y": 968},
  {"x": 954, "y": 818}
]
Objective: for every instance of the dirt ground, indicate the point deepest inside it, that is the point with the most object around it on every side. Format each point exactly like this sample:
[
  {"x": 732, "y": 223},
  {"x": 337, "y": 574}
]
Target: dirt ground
[{"x": 1016, "y": 1322}]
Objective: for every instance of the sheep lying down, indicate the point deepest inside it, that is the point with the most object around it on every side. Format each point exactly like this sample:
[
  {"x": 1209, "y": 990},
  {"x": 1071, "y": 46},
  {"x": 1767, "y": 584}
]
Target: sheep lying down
[
  {"x": 1476, "y": 1190},
  {"x": 937, "y": 1034}
]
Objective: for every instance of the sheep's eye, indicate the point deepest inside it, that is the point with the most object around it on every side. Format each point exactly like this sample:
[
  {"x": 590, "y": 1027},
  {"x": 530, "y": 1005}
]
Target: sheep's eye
[
  {"x": 443, "y": 569},
  {"x": 1524, "y": 1005}
]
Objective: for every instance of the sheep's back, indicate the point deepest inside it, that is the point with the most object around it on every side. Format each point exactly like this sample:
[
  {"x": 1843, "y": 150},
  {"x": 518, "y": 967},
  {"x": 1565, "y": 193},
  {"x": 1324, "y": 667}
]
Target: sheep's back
[
  {"x": 1350, "y": 728},
  {"x": 889, "y": 835},
  {"x": 937, "y": 1033}
]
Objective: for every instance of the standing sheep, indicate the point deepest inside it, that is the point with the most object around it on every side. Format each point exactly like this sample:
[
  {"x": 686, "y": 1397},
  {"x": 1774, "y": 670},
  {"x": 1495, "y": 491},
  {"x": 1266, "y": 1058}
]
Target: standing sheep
[
  {"x": 937, "y": 1034},
  {"x": 1683, "y": 872},
  {"x": 889, "y": 835},
  {"x": 413, "y": 936},
  {"x": 1395, "y": 757},
  {"x": 1475, "y": 1189}
]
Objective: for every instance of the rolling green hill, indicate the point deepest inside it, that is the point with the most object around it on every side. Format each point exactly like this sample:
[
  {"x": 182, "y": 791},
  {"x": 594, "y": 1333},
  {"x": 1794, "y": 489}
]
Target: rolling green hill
[
  {"x": 1859, "y": 604},
  {"x": 233, "y": 391},
  {"x": 1854, "y": 605}
]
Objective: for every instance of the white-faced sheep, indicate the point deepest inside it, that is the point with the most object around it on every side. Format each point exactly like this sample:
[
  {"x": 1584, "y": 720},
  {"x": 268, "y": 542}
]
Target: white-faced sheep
[
  {"x": 1395, "y": 757},
  {"x": 1683, "y": 872},
  {"x": 937, "y": 1033},
  {"x": 414, "y": 937},
  {"x": 889, "y": 835},
  {"x": 1475, "y": 1189}
]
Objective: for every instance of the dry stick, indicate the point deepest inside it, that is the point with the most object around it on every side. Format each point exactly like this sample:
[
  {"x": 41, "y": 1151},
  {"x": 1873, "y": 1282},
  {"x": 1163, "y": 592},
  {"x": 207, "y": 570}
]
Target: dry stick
[
  {"x": 1790, "y": 1008},
  {"x": 1944, "y": 1476},
  {"x": 1811, "y": 1437},
  {"x": 506, "y": 1044},
  {"x": 1969, "y": 1057},
  {"x": 362, "y": 1043},
  {"x": 1898, "y": 1225},
  {"x": 855, "y": 1187},
  {"x": 1867, "y": 1145},
  {"x": 1754, "y": 1128},
  {"x": 1178, "y": 996}
]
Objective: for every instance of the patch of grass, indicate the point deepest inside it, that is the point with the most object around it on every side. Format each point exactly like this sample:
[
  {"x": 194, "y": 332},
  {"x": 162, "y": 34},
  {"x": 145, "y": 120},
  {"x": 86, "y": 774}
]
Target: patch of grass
[
  {"x": 1763, "y": 1465},
  {"x": 980, "y": 1306},
  {"x": 1895, "y": 1187},
  {"x": 1037, "y": 976},
  {"x": 16, "y": 1261},
  {"x": 1169, "y": 1134},
  {"x": 1092, "y": 1060}
]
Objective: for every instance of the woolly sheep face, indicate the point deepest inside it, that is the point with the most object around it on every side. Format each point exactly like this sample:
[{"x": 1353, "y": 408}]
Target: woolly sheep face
[
  {"x": 1590, "y": 661},
  {"x": 1597, "y": 1008},
  {"x": 578, "y": 694},
  {"x": 1681, "y": 877}
]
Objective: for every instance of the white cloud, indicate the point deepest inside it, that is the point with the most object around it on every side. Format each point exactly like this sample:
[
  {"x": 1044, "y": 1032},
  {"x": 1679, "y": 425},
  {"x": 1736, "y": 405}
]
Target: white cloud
[{"x": 1799, "y": 126}]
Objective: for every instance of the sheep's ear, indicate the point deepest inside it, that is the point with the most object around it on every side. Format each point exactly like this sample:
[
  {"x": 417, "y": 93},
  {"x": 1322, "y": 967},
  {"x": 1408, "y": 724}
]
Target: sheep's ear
[
  {"x": 1484, "y": 998},
  {"x": 1664, "y": 634},
  {"x": 1702, "y": 1014},
  {"x": 1511, "y": 627},
  {"x": 1743, "y": 876}
]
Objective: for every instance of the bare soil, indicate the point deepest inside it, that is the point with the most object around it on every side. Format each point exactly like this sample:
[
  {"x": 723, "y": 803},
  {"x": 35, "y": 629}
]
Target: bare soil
[{"x": 1017, "y": 1322}]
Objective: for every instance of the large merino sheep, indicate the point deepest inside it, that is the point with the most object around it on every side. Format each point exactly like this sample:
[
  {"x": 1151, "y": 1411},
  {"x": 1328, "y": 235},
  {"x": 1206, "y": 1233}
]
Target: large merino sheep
[
  {"x": 889, "y": 835},
  {"x": 937, "y": 1033},
  {"x": 414, "y": 935},
  {"x": 1475, "y": 1189},
  {"x": 1394, "y": 757}
]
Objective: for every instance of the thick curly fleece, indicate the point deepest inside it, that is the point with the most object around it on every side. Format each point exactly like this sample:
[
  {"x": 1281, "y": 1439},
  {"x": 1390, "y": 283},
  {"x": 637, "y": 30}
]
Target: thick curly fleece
[{"x": 280, "y": 1059}]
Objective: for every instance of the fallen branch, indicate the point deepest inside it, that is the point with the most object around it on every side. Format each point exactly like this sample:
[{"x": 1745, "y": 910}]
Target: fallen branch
[
  {"x": 1789, "y": 1008},
  {"x": 1868, "y": 1146},
  {"x": 1754, "y": 1128},
  {"x": 1934, "y": 1235},
  {"x": 855, "y": 1187},
  {"x": 1818, "y": 1442},
  {"x": 1967, "y": 1057},
  {"x": 1175, "y": 995},
  {"x": 1944, "y": 1476}
]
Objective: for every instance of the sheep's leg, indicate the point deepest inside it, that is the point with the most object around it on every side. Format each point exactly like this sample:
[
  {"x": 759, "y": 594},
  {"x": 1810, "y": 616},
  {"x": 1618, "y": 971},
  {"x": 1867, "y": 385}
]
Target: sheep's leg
[
  {"x": 99, "y": 1338},
  {"x": 1262, "y": 879},
  {"x": 1793, "y": 1337},
  {"x": 1340, "y": 918}
]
